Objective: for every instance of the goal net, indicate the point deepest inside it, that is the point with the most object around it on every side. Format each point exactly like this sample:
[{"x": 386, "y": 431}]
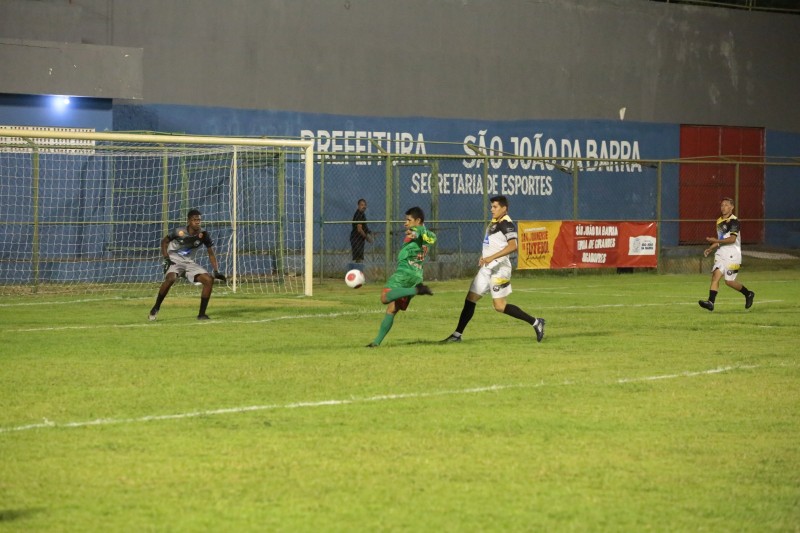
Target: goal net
[{"x": 85, "y": 212}]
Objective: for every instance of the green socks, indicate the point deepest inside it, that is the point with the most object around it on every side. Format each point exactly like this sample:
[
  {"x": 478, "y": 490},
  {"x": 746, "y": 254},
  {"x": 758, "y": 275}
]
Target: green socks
[{"x": 386, "y": 325}]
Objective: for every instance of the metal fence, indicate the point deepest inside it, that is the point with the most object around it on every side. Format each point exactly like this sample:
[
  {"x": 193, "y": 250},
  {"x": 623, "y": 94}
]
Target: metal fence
[{"x": 683, "y": 196}]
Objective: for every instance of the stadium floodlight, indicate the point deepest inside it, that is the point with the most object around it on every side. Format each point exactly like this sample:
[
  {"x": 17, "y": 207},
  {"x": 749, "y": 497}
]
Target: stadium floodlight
[
  {"x": 88, "y": 210},
  {"x": 60, "y": 102}
]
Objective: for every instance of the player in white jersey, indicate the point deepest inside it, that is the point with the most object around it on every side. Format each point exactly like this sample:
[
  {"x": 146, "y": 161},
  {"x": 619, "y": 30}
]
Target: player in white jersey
[
  {"x": 178, "y": 248},
  {"x": 728, "y": 256},
  {"x": 494, "y": 273}
]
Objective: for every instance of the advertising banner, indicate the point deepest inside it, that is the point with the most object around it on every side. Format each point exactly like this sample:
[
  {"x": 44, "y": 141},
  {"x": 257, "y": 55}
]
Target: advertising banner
[{"x": 581, "y": 244}]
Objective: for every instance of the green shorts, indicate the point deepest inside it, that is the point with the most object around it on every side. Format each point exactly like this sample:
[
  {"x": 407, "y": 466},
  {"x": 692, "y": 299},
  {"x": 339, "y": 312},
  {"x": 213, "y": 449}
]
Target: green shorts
[{"x": 404, "y": 279}]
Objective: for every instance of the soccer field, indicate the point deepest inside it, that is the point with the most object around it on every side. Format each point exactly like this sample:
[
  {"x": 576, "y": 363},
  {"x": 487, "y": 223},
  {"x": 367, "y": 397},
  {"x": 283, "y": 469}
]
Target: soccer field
[{"x": 638, "y": 411}]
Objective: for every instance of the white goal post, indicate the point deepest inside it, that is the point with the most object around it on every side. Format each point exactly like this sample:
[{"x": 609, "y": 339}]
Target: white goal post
[{"x": 86, "y": 210}]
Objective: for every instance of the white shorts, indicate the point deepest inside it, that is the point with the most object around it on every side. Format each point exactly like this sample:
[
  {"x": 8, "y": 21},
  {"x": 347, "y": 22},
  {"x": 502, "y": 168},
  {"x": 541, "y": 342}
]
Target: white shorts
[
  {"x": 727, "y": 263},
  {"x": 495, "y": 279}
]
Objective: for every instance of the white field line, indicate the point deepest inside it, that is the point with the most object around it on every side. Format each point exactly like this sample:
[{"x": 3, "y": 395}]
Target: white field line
[
  {"x": 601, "y": 306},
  {"x": 719, "y": 370},
  {"x": 147, "y": 324},
  {"x": 327, "y": 403},
  {"x": 542, "y": 290},
  {"x": 67, "y": 302}
]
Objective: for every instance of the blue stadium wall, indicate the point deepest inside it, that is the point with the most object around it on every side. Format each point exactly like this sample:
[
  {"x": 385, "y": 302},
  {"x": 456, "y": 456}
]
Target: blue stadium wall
[
  {"x": 50, "y": 111},
  {"x": 618, "y": 192}
]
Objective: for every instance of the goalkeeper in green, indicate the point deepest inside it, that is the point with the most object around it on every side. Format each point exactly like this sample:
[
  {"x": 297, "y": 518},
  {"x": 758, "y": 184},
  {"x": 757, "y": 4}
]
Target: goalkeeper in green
[
  {"x": 406, "y": 282},
  {"x": 178, "y": 248}
]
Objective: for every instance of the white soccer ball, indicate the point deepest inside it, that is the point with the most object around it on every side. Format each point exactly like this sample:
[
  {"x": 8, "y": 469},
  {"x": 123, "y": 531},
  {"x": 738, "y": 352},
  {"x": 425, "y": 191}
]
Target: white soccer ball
[{"x": 354, "y": 278}]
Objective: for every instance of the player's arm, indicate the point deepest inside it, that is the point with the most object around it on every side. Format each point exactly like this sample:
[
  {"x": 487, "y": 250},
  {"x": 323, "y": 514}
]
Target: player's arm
[
  {"x": 716, "y": 243},
  {"x": 733, "y": 232},
  {"x": 164, "y": 244},
  {"x": 363, "y": 232},
  {"x": 730, "y": 239},
  {"x": 510, "y": 248},
  {"x": 167, "y": 262},
  {"x": 212, "y": 258}
]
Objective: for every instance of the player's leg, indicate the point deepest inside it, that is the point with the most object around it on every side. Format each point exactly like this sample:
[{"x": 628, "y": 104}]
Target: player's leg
[
  {"x": 205, "y": 295},
  {"x": 163, "y": 290},
  {"x": 386, "y": 325},
  {"x": 357, "y": 246},
  {"x": 403, "y": 284},
  {"x": 197, "y": 274},
  {"x": 716, "y": 275},
  {"x": 466, "y": 315},
  {"x": 500, "y": 291},
  {"x": 730, "y": 281},
  {"x": 481, "y": 284}
]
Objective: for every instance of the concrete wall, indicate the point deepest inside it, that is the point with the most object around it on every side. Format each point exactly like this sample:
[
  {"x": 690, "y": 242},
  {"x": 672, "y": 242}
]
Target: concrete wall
[
  {"x": 90, "y": 70},
  {"x": 484, "y": 59}
]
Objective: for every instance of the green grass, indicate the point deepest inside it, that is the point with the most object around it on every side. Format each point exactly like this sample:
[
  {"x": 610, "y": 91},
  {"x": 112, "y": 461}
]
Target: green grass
[{"x": 639, "y": 411}]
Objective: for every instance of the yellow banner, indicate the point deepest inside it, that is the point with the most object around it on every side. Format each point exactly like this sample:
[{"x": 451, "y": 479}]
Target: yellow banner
[{"x": 536, "y": 243}]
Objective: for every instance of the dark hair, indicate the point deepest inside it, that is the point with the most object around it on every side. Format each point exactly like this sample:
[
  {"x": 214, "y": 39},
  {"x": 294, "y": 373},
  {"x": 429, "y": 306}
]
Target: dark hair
[
  {"x": 728, "y": 199},
  {"x": 416, "y": 212},
  {"x": 502, "y": 200},
  {"x": 193, "y": 213},
  {"x": 361, "y": 200}
]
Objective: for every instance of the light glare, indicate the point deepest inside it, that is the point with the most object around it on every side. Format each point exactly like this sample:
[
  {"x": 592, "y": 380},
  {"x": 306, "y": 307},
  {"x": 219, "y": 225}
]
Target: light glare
[{"x": 60, "y": 102}]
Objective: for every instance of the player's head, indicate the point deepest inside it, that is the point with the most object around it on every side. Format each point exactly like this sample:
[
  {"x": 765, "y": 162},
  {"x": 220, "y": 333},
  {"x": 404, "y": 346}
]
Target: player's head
[
  {"x": 414, "y": 217},
  {"x": 727, "y": 205},
  {"x": 362, "y": 204},
  {"x": 193, "y": 219},
  {"x": 499, "y": 207},
  {"x": 502, "y": 200}
]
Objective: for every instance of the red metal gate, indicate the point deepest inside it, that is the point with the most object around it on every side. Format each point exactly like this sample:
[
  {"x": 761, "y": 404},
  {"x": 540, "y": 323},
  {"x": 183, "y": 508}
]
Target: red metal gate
[{"x": 703, "y": 185}]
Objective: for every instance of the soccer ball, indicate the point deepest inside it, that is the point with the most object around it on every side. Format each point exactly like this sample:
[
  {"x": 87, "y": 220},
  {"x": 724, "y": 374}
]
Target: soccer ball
[{"x": 354, "y": 278}]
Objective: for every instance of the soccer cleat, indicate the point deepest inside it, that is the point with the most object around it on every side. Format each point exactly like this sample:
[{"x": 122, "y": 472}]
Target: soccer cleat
[
  {"x": 539, "y": 328},
  {"x": 452, "y": 338},
  {"x": 153, "y": 314},
  {"x": 424, "y": 289},
  {"x": 203, "y": 317},
  {"x": 372, "y": 345},
  {"x": 748, "y": 300},
  {"x": 706, "y": 304}
]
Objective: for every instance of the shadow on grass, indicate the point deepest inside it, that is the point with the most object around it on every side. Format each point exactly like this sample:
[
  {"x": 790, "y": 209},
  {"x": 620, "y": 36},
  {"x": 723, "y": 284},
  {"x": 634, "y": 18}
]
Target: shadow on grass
[
  {"x": 11, "y": 515},
  {"x": 483, "y": 338}
]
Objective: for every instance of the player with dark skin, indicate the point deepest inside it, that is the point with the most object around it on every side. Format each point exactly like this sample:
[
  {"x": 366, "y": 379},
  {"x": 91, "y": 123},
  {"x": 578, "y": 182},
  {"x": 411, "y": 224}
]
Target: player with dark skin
[
  {"x": 176, "y": 265},
  {"x": 360, "y": 233}
]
